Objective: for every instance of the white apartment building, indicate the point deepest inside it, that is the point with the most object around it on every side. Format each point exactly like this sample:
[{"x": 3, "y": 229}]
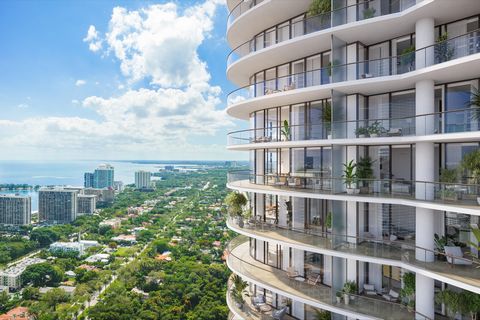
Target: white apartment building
[
  {"x": 12, "y": 276},
  {"x": 15, "y": 210},
  {"x": 86, "y": 204},
  {"x": 362, "y": 139},
  {"x": 76, "y": 246},
  {"x": 142, "y": 179},
  {"x": 57, "y": 205}
]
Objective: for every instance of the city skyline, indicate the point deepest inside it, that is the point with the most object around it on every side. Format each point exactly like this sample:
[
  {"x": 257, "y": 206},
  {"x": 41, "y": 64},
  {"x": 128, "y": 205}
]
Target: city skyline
[{"x": 102, "y": 86}]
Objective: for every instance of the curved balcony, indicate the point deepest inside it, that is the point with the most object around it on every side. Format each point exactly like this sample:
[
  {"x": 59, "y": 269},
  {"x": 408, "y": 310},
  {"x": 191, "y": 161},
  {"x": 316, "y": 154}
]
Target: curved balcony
[
  {"x": 391, "y": 130},
  {"x": 465, "y": 273},
  {"x": 319, "y": 296},
  {"x": 241, "y": 7},
  {"x": 324, "y": 21},
  {"x": 449, "y": 50},
  {"x": 455, "y": 197},
  {"x": 248, "y": 311}
]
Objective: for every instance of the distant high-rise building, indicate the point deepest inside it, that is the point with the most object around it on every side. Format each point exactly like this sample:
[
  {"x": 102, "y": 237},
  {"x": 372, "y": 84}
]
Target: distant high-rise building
[
  {"x": 118, "y": 186},
  {"x": 15, "y": 210},
  {"x": 57, "y": 205},
  {"x": 103, "y": 176},
  {"x": 88, "y": 180},
  {"x": 86, "y": 204},
  {"x": 142, "y": 179},
  {"x": 169, "y": 168}
]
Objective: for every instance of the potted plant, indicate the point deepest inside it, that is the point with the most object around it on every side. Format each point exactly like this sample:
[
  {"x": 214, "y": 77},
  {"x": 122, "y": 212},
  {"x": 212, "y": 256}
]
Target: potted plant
[
  {"x": 285, "y": 131},
  {"x": 474, "y": 104},
  {"x": 448, "y": 177},
  {"x": 235, "y": 202},
  {"x": 376, "y": 129},
  {"x": 350, "y": 176},
  {"x": 365, "y": 173},
  {"x": 339, "y": 296},
  {"x": 407, "y": 57},
  {"x": 328, "y": 222},
  {"x": 369, "y": 13},
  {"x": 408, "y": 291},
  {"x": 471, "y": 163},
  {"x": 238, "y": 289},
  {"x": 327, "y": 118},
  {"x": 323, "y": 315},
  {"x": 444, "y": 51},
  {"x": 361, "y": 132},
  {"x": 350, "y": 287}
]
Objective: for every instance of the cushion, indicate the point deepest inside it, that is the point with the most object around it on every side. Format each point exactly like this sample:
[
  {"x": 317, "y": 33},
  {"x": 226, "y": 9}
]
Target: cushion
[
  {"x": 454, "y": 251},
  {"x": 393, "y": 294},
  {"x": 369, "y": 287},
  {"x": 393, "y": 237}
]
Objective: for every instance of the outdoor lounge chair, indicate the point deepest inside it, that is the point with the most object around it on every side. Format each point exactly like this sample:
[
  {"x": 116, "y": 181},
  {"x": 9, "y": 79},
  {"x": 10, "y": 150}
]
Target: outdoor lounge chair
[
  {"x": 369, "y": 290},
  {"x": 391, "y": 296},
  {"x": 454, "y": 256},
  {"x": 258, "y": 301}
]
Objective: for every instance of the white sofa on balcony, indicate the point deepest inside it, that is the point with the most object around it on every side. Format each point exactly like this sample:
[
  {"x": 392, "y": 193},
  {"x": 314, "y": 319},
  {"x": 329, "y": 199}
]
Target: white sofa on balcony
[{"x": 454, "y": 256}]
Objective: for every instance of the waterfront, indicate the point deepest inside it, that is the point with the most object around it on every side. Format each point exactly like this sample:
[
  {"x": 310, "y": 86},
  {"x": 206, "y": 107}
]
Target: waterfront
[{"x": 71, "y": 172}]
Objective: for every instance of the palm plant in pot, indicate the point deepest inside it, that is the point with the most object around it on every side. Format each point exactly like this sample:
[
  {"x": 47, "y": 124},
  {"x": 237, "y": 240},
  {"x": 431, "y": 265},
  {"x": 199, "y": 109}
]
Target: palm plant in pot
[
  {"x": 350, "y": 176},
  {"x": 408, "y": 291},
  {"x": 361, "y": 132},
  {"x": 365, "y": 173},
  {"x": 475, "y": 104},
  {"x": 471, "y": 163},
  {"x": 376, "y": 129},
  {"x": 327, "y": 118},
  {"x": 238, "y": 289},
  {"x": 285, "y": 131},
  {"x": 235, "y": 202},
  {"x": 349, "y": 288},
  {"x": 448, "y": 177}
]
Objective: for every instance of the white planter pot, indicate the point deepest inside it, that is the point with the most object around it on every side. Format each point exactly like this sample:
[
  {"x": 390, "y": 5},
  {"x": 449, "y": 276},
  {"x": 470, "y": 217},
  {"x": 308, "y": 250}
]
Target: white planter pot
[
  {"x": 361, "y": 136},
  {"x": 346, "y": 298},
  {"x": 373, "y": 135},
  {"x": 339, "y": 299},
  {"x": 350, "y": 191},
  {"x": 478, "y": 200},
  {"x": 329, "y": 136}
]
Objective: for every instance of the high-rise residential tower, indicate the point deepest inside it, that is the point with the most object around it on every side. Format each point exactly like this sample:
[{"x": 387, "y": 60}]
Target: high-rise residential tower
[
  {"x": 103, "y": 176},
  {"x": 364, "y": 144},
  {"x": 15, "y": 210},
  {"x": 88, "y": 179},
  {"x": 142, "y": 179},
  {"x": 57, "y": 205}
]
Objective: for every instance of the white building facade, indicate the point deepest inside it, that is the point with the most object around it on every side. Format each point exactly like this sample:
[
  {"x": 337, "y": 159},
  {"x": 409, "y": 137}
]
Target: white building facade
[
  {"x": 15, "y": 210},
  {"x": 362, "y": 131},
  {"x": 86, "y": 204},
  {"x": 57, "y": 205},
  {"x": 142, "y": 180}
]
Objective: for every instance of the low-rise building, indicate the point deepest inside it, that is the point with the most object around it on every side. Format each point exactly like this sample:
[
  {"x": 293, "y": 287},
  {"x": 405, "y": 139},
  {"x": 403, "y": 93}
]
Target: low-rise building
[
  {"x": 12, "y": 276},
  {"x": 113, "y": 223},
  {"x": 68, "y": 247},
  {"x": 18, "y": 313}
]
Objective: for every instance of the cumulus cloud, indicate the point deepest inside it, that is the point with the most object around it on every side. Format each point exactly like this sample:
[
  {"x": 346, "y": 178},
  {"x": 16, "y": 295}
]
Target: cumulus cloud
[
  {"x": 93, "y": 39},
  {"x": 22, "y": 106},
  {"x": 158, "y": 46}
]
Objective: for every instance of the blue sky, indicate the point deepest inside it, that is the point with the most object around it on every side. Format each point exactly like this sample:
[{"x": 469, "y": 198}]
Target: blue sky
[{"x": 114, "y": 80}]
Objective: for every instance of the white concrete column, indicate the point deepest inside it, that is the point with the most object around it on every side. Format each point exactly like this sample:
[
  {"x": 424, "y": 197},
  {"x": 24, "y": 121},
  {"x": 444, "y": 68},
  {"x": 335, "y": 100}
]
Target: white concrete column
[
  {"x": 298, "y": 309},
  {"x": 352, "y": 222},
  {"x": 299, "y": 261},
  {"x": 424, "y": 223},
  {"x": 424, "y": 104},
  {"x": 424, "y": 170},
  {"x": 424, "y": 37},
  {"x": 424, "y": 296}
]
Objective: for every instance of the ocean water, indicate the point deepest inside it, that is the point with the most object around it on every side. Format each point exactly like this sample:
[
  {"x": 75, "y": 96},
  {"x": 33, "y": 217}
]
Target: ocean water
[{"x": 70, "y": 172}]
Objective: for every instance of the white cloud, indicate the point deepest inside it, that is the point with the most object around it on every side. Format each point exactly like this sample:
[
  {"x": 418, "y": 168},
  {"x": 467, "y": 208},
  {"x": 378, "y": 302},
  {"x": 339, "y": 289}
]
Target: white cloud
[
  {"x": 80, "y": 83},
  {"x": 159, "y": 44},
  {"x": 93, "y": 39},
  {"x": 22, "y": 106}
]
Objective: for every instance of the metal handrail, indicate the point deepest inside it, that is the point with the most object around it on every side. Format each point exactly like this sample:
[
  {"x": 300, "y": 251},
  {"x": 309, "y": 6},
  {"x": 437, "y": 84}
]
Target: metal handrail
[
  {"x": 359, "y": 120},
  {"x": 333, "y": 66},
  {"x": 395, "y": 244},
  {"x": 240, "y": 240}
]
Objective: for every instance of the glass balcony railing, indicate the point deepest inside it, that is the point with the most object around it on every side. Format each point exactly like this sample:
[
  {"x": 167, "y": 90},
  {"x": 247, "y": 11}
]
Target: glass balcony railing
[
  {"x": 465, "y": 120},
  {"x": 240, "y": 261},
  {"x": 440, "y": 52},
  {"x": 242, "y": 7},
  {"x": 319, "y": 182},
  {"x": 460, "y": 267},
  {"x": 357, "y": 12}
]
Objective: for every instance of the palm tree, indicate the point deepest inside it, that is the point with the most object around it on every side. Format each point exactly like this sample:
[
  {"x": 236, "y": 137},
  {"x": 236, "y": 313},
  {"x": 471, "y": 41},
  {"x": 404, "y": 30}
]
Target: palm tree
[{"x": 475, "y": 104}]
